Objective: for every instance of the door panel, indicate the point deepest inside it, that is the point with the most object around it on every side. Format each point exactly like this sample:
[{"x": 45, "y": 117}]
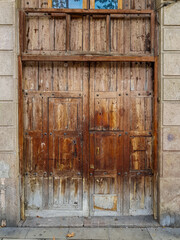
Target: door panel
[
  {"x": 93, "y": 34},
  {"x": 65, "y": 151}
]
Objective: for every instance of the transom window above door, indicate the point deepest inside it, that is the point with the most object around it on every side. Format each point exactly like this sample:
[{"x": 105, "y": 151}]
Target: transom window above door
[{"x": 81, "y": 4}]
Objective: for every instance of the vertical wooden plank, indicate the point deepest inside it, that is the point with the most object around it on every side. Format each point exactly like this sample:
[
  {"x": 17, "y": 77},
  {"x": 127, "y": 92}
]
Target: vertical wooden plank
[
  {"x": 92, "y": 100},
  {"x": 45, "y": 76},
  {"x": 85, "y": 4},
  {"x": 86, "y": 33},
  {"x": 152, "y": 32},
  {"x": 108, "y": 33},
  {"x": 30, "y": 76},
  {"x": 32, "y": 33},
  {"x": 92, "y": 4},
  {"x": 21, "y": 30},
  {"x": 46, "y": 34},
  {"x": 20, "y": 119},
  {"x": 49, "y": 3},
  {"x": 155, "y": 142},
  {"x": 120, "y": 4},
  {"x": 60, "y": 82},
  {"x": 68, "y": 22},
  {"x": 86, "y": 149},
  {"x": 76, "y": 34},
  {"x": 60, "y": 34}
]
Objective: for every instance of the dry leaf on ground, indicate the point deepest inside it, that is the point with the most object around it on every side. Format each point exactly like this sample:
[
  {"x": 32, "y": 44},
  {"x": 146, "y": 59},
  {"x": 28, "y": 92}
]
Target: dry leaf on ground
[{"x": 69, "y": 235}]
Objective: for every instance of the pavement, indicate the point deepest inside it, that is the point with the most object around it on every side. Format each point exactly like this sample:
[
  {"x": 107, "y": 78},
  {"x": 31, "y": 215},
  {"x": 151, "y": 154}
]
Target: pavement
[{"x": 84, "y": 233}]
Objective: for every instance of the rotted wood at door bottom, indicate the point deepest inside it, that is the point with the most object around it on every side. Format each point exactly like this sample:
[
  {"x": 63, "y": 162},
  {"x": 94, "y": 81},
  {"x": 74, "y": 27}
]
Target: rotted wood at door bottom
[{"x": 87, "y": 138}]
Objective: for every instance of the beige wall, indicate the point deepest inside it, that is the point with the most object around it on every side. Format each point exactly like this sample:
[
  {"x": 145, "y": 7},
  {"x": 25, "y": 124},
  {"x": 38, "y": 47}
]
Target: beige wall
[
  {"x": 9, "y": 192},
  {"x": 169, "y": 125},
  {"x": 169, "y": 115}
]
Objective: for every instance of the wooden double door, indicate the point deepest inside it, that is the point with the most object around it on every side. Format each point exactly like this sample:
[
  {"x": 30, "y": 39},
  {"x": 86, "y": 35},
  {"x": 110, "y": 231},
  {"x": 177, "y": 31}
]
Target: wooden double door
[{"x": 87, "y": 138}]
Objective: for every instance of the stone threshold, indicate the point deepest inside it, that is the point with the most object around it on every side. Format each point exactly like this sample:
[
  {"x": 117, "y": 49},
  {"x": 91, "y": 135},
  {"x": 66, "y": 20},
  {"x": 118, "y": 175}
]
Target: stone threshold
[{"x": 95, "y": 222}]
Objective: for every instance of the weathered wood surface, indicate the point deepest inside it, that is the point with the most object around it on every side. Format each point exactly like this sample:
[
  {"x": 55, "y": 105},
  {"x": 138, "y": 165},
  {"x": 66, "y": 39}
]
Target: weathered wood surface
[
  {"x": 90, "y": 34},
  {"x": 86, "y": 95},
  {"x": 120, "y": 121}
]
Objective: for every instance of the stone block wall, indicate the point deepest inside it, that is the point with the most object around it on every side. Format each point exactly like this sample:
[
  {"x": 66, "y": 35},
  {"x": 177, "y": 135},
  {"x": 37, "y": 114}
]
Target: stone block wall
[
  {"x": 9, "y": 177},
  {"x": 169, "y": 125}
]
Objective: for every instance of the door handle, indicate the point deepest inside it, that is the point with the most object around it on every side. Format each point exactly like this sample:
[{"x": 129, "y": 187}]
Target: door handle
[{"x": 97, "y": 151}]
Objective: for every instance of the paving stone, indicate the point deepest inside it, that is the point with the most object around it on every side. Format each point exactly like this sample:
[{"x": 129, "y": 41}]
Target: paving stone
[
  {"x": 164, "y": 233},
  {"x": 47, "y": 233},
  {"x": 52, "y": 222},
  {"x": 89, "y": 233},
  {"x": 15, "y": 233},
  {"x": 129, "y": 234}
]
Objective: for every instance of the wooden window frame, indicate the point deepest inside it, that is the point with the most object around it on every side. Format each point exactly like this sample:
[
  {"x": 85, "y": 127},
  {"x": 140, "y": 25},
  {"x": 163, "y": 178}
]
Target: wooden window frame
[
  {"x": 85, "y": 4},
  {"x": 92, "y": 4}
]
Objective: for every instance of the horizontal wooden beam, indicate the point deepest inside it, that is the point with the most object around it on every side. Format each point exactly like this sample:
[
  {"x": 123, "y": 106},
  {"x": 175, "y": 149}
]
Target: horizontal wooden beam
[
  {"x": 79, "y": 58},
  {"x": 89, "y": 11}
]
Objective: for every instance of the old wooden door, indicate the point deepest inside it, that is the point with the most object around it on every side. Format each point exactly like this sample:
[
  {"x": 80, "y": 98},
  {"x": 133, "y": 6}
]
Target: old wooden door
[{"x": 86, "y": 104}]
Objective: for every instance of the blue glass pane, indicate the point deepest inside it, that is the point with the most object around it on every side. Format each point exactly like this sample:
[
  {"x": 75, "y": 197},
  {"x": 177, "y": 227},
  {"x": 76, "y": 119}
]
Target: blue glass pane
[
  {"x": 59, "y": 4},
  {"x": 106, "y": 4},
  {"x": 67, "y": 4},
  {"x": 75, "y": 4}
]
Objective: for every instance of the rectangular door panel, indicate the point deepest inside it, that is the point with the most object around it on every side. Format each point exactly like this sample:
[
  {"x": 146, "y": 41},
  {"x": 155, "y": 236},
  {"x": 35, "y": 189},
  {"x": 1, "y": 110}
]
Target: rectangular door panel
[
  {"x": 65, "y": 153},
  {"x": 105, "y": 163}
]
